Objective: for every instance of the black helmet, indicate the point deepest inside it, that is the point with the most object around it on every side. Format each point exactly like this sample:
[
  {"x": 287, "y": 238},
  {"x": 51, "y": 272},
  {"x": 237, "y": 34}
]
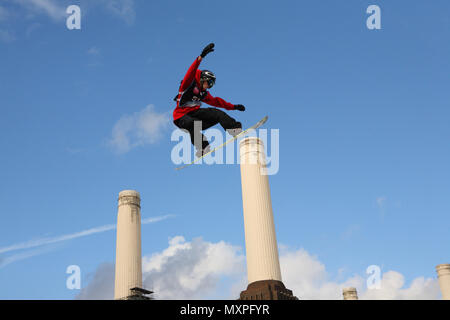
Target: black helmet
[{"x": 209, "y": 77}]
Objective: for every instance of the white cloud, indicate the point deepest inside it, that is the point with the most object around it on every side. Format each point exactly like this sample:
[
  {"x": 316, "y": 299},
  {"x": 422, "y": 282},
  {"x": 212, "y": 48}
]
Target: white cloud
[
  {"x": 308, "y": 278},
  {"x": 191, "y": 270},
  {"x": 184, "y": 270},
  {"x": 199, "y": 269},
  {"x": 101, "y": 287},
  {"x": 52, "y": 8},
  {"x": 124, "y": 9},
  {"x": 393, "y": 288},
  {"x": 138, "y": 129},
  {"x": 56, "y": 9},
  {"x": 121, "y": 9}
]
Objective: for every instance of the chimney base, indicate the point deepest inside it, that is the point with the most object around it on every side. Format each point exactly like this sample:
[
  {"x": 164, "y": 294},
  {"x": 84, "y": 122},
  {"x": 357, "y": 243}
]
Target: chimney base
[{"x": 267, "y": 290}]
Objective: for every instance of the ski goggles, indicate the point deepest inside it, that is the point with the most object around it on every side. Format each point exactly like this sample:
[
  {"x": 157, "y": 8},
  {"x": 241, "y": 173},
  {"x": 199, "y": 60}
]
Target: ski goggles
[{"x": 210, "y": 82}]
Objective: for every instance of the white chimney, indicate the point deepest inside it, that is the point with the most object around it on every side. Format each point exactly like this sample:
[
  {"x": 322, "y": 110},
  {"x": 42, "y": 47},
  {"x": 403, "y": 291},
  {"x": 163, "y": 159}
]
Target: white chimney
[
  {"x": 443, "y": 271},
  {"x": 350, "y": 293},
  {"x": 260, "y": 238},
  {"x": 128, "y": 244}
]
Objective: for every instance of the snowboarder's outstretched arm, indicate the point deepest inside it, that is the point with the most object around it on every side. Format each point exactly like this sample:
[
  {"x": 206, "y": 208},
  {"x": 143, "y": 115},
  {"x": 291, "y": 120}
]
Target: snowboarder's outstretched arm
[
  {"x": 190, "y": 74},
  {"x": 220, "y": 103}
]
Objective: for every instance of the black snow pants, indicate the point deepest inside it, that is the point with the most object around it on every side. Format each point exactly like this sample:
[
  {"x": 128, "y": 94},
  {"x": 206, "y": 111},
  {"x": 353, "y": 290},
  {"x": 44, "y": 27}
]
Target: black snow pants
[{"x": 209, "y": 117}]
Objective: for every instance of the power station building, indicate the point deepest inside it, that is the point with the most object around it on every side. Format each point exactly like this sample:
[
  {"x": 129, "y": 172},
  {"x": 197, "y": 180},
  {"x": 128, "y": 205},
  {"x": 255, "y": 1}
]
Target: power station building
[{"x": 263, "y": 266}]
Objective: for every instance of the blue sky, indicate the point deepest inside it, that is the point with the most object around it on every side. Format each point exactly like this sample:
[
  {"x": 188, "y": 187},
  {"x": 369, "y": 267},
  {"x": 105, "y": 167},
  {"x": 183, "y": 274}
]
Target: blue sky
[{"x": 363, "y": 117}]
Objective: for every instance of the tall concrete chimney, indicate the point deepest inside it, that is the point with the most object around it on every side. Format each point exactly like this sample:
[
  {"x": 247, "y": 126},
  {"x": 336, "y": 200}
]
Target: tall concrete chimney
[
  {"x": 350, "y": 294},
  {"x": 263, "y": 266},
  {"x": 128, "y": 245},
  {"x": 443, "y": 271}
]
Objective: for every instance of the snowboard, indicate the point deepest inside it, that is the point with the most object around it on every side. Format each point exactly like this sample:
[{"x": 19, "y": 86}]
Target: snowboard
[{"x": 254, "y": 127}]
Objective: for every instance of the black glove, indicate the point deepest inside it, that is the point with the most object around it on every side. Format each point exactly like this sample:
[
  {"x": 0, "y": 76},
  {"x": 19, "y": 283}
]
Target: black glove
[
  {"x": 239, "y": 107},
  {"x": 209, "y": 48}
]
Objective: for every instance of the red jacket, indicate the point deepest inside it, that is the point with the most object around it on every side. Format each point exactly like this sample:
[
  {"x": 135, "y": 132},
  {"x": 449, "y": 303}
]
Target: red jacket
[{"x": 193, "y": 74}]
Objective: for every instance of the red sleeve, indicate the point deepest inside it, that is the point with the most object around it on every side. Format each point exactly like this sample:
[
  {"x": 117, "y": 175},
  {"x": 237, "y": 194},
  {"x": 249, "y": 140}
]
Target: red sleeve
[
  {"x": 218, "y": 102},
  {"x": 190, "y": 75}
]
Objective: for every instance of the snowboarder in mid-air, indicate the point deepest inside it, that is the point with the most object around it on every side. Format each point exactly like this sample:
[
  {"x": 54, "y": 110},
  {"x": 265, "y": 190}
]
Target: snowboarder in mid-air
[{"x": 193, "y": 91}]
